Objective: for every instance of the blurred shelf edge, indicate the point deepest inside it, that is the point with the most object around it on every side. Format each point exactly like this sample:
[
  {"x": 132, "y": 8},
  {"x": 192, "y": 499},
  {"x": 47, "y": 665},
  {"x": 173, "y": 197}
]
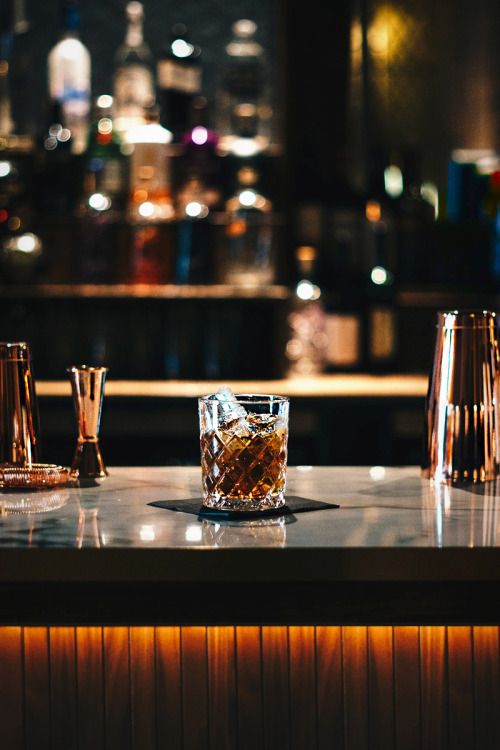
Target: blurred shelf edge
[
  {"x": 144, "y": 291},
  {"x": 441, "y": 298},
  {"x": 323, "y": 386}
]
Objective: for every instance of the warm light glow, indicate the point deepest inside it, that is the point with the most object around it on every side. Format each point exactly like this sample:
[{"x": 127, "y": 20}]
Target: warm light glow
[
  {"x": 181, "y": 48},
  {"x": 140, "y": 195},
  {"x": 199, "y": 135},
  {"x": 105, "y": 101},
  {"x": 393, "y": 181},
  {"x": 247, "y": 197},
  {"x": 70, "y": 50},
  {"x": 430, "y": 193},
  {"x": 28, "y": 242},
  {"x": 152, "y": 132},
  {"x": 146, "y": 209},
  {"x": 379, "y": 275},
  {"x": 196, "y": 210},
  {"x": 373, "y": 211},
  {"x": 193, "y": 533},
  {"x": 307, "y": 291},
  {"x": 377, "y": 473},
  {"x": 420, "y": 679},
  {"x": 245, "y": 146},
  {"x": 147, "y": 533},
  {"x": 387, "y": 34},
  {"x": 105, "y": 125},
  {"x": 64, "y": 135},
  {"x": 99, "y": 202}
]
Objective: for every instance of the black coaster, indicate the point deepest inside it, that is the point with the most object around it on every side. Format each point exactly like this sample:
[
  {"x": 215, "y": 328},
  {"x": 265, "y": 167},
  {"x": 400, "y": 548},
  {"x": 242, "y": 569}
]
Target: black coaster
[{"x": 292, "y": 505}]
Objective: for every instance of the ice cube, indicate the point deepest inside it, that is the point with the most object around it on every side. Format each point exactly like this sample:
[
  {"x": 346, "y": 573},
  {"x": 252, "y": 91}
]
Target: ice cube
[
  {"x": 262, "y": 424},
  {"x": 237, "y": 427},
  {"x": 230, "y": 407}
]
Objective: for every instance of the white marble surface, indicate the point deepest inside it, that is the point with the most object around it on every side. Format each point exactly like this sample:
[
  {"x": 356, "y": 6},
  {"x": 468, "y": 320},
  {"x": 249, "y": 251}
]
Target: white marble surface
[{"x": 380, "y": 508}]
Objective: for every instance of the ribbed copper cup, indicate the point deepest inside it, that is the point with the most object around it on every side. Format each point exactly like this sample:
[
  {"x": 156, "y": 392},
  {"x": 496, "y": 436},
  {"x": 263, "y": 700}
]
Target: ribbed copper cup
[
  {"x": 461, "y": 419},
  {"x": 19, "y": 441}
]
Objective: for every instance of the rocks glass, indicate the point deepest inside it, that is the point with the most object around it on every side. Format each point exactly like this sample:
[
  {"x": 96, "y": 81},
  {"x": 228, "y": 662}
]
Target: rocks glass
[{"x": 243, "y": 442}]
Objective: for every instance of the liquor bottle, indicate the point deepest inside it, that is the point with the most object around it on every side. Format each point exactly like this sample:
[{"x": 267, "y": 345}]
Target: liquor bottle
[
  {"x": 151, "y": 210},
  {"x": 379, "y": 269},
  {"x": 198, "y": 195},
  {"x": 343, "y": 291},
  {"x": 104, "y": 198},
  {"x": 244, "y": 110},
  {"x": 69, "y": 77},
  {"x": 59, "y": 169},
  {"x": 415, "y": 222},
  {"x": 179, "y": 76},
  {"x": 106, "y": 161},
  {"x": 307, "y": 340},
  {"x": 248, "y": 253},
  {"x": 6, "y": 123},
  {"x": 133, "y": 83}
]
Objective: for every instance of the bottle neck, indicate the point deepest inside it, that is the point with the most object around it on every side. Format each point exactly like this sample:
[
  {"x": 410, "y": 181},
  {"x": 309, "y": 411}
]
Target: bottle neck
[
  {"x": 134, "y": 36},
  {"x": 71, "y": 22}
]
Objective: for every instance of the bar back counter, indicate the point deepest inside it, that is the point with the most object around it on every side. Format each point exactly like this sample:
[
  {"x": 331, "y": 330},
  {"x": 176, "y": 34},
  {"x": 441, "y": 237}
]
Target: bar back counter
[{"x": 374, "y": 624}]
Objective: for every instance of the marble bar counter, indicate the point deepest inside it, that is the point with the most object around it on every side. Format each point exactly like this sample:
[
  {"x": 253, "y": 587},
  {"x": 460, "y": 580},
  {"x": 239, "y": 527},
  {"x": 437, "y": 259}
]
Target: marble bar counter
[{"x": 399, "y": 549}]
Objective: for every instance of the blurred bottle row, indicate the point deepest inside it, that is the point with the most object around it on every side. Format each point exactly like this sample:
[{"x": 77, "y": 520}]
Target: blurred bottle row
[{"x": 160, "y": 184}]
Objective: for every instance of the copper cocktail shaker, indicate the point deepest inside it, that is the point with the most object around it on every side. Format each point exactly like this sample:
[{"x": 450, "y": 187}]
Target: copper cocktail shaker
[
  {"x": 19, "y": 422},
  {"x": 461, "y": 436}
]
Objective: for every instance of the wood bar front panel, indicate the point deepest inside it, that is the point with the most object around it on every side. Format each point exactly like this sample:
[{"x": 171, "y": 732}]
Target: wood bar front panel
[{"x": 170, "y": 688}]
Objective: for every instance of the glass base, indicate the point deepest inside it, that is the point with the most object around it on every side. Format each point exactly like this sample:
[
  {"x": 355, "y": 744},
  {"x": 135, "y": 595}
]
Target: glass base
[{"x": 239, "y": 504}]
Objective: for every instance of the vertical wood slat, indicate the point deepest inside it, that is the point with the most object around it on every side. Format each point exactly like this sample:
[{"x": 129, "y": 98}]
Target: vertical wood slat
[
  {"x": 142, "y": 687},
  {"x": 222, "y": 701},
  {"x": 168, "y": 687},
  {"x": 329, "y": 687},
  {"x": 63, "y": 688},
  {"x": 249, "y": 687},
  {"x": 434, "y": 694},
  {"x": 380, "y": 687},
  {"x": 11, "y": 688},
  {"x": 275, "y": 687},
  {"x": 194, "y": 687},
  {"x": 407, "y": 687},
  {"x": 90, "y": 688},
  {"x": 117, "y": 708},
  {"x": 303, "y": 701},
  {"x": 354, "y": 652},
  {"x": 36, "y": 687},
  {"x": 460, "y": 687},
  {"x": 486, "y": 660}
]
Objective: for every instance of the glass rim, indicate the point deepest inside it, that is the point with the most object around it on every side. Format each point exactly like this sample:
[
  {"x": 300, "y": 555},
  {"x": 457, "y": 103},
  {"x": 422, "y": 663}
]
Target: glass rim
[
  {"x": 472, "y": 318},
  {"x": 87, "y": 368},
  {"x": 244, "y": 398}
]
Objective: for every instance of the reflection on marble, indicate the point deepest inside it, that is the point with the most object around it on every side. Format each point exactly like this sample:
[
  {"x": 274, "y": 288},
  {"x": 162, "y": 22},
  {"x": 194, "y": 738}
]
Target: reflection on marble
[
  {"x": 257, "y": 532},
  {"x": 379, "y": 507}
]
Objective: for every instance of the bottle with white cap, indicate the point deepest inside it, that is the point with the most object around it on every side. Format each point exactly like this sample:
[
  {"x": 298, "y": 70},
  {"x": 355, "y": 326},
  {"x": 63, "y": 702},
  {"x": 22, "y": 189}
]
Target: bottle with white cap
[{"x": 133, "y": 83}]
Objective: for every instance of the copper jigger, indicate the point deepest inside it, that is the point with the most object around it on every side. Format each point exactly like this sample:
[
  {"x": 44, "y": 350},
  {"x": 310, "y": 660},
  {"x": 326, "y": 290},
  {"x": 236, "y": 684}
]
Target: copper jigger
[
  {"x": 19, "y": 444},
  {"x": 87, "y": 385},
  {"x": 461, "y": 425}
]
